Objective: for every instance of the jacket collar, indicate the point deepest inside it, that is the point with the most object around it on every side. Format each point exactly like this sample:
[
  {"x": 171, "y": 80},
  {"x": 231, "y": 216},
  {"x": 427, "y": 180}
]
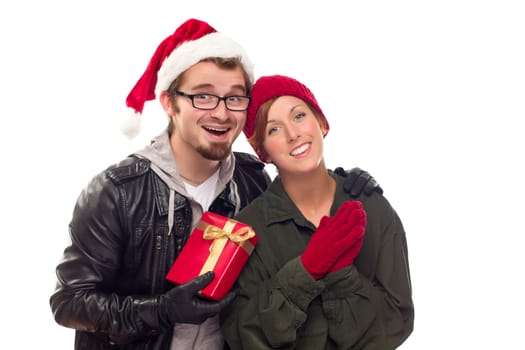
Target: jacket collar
[{"x": 278, "y": 206}]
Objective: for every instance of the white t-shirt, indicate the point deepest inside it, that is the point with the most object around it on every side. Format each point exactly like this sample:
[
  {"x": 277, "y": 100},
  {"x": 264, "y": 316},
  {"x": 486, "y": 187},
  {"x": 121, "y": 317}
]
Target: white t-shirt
[
  {"x": 207, "y": 335},
  {"x": 204, "y": 193}
]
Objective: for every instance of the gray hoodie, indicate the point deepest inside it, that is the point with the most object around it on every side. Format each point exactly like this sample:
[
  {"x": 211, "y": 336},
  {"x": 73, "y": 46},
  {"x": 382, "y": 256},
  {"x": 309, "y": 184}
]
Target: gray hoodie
[{"x": 187, "y": 336}]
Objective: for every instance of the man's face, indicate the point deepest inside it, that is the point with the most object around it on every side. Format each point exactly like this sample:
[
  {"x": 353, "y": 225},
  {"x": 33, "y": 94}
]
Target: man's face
[{"x": 210, "y": 133}]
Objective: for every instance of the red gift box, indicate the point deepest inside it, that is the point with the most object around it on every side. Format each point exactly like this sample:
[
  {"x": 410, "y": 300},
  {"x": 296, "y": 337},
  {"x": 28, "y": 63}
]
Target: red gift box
[{"x": 217, "y": 244}]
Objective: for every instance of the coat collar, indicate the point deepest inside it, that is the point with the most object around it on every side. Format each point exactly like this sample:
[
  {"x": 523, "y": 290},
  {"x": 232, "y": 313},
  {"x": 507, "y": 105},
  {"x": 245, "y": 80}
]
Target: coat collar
[{"x": 278, "y": 207}]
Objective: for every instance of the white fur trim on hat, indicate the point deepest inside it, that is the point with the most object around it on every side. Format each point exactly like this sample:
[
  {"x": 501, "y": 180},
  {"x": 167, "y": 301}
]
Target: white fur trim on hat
[
  {"x": 131, "y": 123},
  {"x": 192, "y": 52}
]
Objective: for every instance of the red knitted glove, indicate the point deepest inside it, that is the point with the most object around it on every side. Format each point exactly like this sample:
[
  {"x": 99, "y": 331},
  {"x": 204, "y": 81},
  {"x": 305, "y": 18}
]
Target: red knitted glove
[
  {"x": 330, "y": 241},
  {"x": 357, "y": 222}
]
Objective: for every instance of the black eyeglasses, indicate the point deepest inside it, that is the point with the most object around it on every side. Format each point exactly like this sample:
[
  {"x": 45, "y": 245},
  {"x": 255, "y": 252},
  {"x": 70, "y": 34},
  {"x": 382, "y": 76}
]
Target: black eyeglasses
[{"x": 209, "y": 101}]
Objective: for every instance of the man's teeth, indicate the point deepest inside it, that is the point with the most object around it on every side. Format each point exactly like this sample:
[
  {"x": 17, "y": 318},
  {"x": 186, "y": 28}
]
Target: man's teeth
[
  {"x": 217, "y": 130},
  {"x": 300, "y": 149}
]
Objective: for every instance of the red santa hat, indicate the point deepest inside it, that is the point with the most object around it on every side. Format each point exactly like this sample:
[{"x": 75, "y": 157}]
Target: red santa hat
[
  {"x": 192, "y": 42},
  {"x": 268, "y": 87}
]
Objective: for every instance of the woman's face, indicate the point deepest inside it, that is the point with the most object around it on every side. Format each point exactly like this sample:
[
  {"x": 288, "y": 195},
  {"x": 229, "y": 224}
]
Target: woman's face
[{"x": 293, "y": 136}]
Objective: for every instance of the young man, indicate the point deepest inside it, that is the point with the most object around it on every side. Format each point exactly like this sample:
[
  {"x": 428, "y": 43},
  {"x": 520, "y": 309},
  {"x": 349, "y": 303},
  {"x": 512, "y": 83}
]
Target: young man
[{"x": 132, "y": 220}]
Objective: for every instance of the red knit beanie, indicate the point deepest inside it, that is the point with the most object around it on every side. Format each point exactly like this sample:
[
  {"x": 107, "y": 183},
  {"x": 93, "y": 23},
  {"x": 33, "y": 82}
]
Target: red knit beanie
[
  {"x": 268, "y": 87},
  {"x": 192, "y": 42}
]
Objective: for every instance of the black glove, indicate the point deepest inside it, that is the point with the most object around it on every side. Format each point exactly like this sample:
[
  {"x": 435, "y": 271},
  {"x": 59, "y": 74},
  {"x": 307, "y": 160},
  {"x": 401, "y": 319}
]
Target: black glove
[
  {"x": 182, "y": 304},
  {"x": 358, "y": 181}
]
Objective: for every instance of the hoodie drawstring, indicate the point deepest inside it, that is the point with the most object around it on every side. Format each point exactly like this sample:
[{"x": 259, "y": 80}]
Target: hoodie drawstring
[{"x": 171, "y": 211}]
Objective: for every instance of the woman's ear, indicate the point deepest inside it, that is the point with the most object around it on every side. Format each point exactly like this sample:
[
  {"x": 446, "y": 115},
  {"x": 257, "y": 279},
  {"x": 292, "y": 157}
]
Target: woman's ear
[
  {"x": 324, "y": 131},
  {"x": 263, "y": 156},
  {"x": 322, "y": 124}
]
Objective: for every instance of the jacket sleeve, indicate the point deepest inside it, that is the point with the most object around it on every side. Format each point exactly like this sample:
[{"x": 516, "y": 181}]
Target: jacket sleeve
[
  {"x": 269, "y": 310},
  {"x": 271, "y": 314},
  {"x": 83, "y": 298},
  {"x": 370, "y": 303}
]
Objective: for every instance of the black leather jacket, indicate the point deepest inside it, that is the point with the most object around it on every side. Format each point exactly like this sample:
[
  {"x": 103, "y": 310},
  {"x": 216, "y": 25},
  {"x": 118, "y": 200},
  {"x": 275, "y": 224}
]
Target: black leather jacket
[{"x": 111, "y": 274}]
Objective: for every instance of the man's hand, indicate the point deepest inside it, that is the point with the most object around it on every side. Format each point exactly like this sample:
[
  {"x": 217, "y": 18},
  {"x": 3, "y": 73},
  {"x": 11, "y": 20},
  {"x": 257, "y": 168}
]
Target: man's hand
[
  {"x": 358, "y": 181},
  {"x": 182, "y": 304}
]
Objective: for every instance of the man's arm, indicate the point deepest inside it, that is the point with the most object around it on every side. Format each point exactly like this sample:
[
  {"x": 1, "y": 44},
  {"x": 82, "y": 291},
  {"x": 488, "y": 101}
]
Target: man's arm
[{"x": 358, "y": 181}]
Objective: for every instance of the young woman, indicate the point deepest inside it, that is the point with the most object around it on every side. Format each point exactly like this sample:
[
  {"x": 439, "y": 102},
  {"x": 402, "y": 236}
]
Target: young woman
[{"x": 329, "y": 271}]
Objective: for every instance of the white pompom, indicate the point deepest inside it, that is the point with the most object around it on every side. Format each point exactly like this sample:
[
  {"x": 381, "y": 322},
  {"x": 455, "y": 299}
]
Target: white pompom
[{"x": 130, "y": 124}]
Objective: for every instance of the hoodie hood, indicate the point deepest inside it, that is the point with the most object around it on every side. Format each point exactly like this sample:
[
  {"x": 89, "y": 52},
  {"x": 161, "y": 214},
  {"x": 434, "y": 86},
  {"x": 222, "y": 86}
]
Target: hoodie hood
[{"x": 159, "y": 153}]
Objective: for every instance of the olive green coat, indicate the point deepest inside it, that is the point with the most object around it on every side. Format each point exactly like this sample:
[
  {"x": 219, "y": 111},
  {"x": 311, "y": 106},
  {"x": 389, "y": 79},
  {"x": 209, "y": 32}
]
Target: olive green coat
[{"x": 367, "y": 305}]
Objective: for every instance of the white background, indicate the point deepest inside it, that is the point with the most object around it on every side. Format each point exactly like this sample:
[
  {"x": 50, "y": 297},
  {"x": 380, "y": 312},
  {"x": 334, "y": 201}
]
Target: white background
[{"x": 428, "y": 96}]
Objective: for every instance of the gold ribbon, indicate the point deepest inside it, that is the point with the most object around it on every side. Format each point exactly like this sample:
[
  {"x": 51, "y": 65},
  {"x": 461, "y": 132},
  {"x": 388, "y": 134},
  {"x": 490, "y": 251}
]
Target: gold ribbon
[{"x": 220, "y": 237}]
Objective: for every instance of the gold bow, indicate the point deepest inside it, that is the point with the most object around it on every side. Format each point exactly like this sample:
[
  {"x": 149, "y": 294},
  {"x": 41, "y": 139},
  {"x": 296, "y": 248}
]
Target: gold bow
[
  {"x": 241, "y": 235},
  {"x": 220, "y": 237}
]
